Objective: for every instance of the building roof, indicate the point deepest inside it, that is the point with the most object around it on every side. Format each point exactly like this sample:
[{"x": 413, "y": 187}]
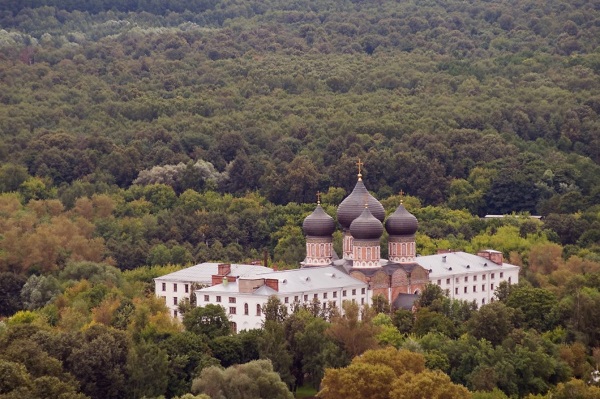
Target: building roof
[
  {"x": 203, "y": 272},
  {"x": 455, "y": 263},
  {"x": 296, "y": 281}
]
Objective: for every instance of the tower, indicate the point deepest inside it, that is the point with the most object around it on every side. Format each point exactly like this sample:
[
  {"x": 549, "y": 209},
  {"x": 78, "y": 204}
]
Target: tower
[
  {"x": 352, "y": 207},
  {"x": 401, "y": 227},
  {"x": 366, "y": 232},
  {"x": 318, "y": 228}
]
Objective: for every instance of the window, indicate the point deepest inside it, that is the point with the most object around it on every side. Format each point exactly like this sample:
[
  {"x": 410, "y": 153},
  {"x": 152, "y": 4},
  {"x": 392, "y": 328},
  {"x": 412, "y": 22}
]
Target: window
[
  {"x": 232, "y": 310},
  {"x": 466, "y": 279},
  {"x": 509, "y": 280},
  {"x": 296, "y": 299},
  {"x": 439, "y": 282},
  {"x": 335, "y": 294},
  {"x": 324, "y": 306},
  {"x": 456, "y": 280},
  {"x": 362, "y": 301},
  {"x": 174, "y": 313},
  {"x": 164, "y": 286},
  {"x": 456, "y": 291},
  {"x": 483, "y": 277},
  {"x": 501, "y": 274},
  {"x": 258, "y": 310},
  {"x": 286, "y": 300},
  {"x": 482, "y": 287},
  {"x": 305, "y": 298},
  {"x": 316, "y": 296},
  {"x": 174, "y": 300},
  {"x": 231, "y": 299},
  {"x": 448, "y": 281},
  {"x": 344, "y": 293},
  {"x": 492, "y": 287},
  {"x": 492, "y": 276},
  {"x": 354, "y": 292},
  {"x": 363, "y": 291},
  {"x": 483, "y": 301},
  {"x": 174, "y": 287},
  {"x": 324, "y": 295},
  {"x": 206, "y": 298},
  {"x": 218, "y": 298},
  {"x": 187, "y": 288},
  {"x": 465, "y": 290},
  {"x": 246, "y": 309},
  {"x": 474, "y": 288},
  {"x": 474, "y": 278}
]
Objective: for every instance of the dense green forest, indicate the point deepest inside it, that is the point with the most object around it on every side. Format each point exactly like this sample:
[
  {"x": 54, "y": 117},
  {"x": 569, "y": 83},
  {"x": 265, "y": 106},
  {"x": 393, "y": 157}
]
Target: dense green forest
[{"x": 138, "y": 137}]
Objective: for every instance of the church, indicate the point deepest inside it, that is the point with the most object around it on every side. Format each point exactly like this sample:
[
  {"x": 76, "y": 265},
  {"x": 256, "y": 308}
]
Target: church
[{"x": 358, "y": 275}]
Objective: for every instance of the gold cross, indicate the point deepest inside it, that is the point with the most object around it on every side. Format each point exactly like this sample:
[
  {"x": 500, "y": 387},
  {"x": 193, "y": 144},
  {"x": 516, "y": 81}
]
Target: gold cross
[
  {"x": 359, "y": 164},
  {"x": 319, "y": 197},
  {"x": 402, "y": 196}
]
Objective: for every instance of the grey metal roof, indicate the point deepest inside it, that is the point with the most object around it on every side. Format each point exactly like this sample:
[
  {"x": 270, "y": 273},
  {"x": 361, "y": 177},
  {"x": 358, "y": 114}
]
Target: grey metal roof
[
  {"x": 401, "y": 222},
  {"x": 353, "y": 205},
  {"x": 203, "y": 272},
  {"x": 455, "y": 263},
  {"x": 297, "y": 281},
  {"x": 318, "y": 223}
]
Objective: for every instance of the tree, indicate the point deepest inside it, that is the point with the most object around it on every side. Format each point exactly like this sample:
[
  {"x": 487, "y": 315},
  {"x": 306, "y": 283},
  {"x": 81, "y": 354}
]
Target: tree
[
  {"x": 430, "y": 293},
  {"x": 493, "y": 322},
  {"x": 252, "y": 380},
  {"x": 99, "y": 362},
  {"x": 10, "y": 293},
  {"x": 355, "y": 335},
  {"x": 427, "y": 384},
  {"x": 38, "y": 291},
  {"x": 209, "y": 320},
  {"x": 537, "y": 305},
  {"x": 147, "y": 366}
]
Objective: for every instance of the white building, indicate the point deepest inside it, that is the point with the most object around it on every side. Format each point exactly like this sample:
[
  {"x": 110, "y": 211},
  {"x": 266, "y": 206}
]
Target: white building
[
  {"x": 469, "y": 277},
  {"x": 176, "y": 286},
  {"x": 359, "y": 275},
  {"x": 244, "y": 297}
]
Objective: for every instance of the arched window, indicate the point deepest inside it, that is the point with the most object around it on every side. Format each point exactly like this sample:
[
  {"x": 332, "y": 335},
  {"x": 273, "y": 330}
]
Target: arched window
[
  {"x": 246, "y": 309},
  {"x": 258, "y": 310}
]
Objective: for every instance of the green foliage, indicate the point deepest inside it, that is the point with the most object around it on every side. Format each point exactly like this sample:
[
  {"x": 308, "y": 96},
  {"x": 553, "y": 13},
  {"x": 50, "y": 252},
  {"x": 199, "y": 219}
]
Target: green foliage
[
  {"x": 251, "y": 380},
  {"x": 209, "y": 320}
]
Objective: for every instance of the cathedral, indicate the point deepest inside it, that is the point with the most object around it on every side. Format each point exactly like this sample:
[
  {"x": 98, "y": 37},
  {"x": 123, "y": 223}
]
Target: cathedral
[
  {"x": 359, "y": 275},
  {"x": 361, "y": 216}
]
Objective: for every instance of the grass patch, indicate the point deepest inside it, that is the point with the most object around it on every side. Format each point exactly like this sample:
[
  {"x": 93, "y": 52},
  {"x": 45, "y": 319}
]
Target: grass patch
[{"x": 305, "y": 392}]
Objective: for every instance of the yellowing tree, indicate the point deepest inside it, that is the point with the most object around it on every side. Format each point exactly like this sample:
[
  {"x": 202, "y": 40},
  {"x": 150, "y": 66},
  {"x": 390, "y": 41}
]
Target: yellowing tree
[
  {"x": 389, "y": 374},
  {"x": 428, "y": 384}
]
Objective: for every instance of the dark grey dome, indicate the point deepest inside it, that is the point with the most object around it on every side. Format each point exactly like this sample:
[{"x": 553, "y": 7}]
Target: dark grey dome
[
  {"x": 401, "y": 222},
  {"x": 353, "y": 205},
  {"x": 366, "y": 226},
  {"x": 318, "y": 224}
]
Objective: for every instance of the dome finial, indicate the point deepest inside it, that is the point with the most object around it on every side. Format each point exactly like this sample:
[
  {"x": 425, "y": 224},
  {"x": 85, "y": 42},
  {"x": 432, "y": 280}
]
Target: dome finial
[
  {"x": 402, "y": 196},
  {"x": 359, "y": 164},
  {"x": 318, "y": 198}
]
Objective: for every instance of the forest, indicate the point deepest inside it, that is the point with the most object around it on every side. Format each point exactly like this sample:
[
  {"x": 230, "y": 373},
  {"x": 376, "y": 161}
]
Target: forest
[{"x": 141, "y": 137}]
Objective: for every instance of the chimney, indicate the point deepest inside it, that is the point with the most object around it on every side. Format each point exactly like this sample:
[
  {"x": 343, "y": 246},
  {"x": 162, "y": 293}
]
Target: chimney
[
  {"x": 216, "y": 279},
  {"x": 224, "y": 269},
  {"x": 496, "y": 257},
  {"x": 272, "y": 283},
  {"x": 444, "y": 251},
  {"x": 484, "y": 254}
]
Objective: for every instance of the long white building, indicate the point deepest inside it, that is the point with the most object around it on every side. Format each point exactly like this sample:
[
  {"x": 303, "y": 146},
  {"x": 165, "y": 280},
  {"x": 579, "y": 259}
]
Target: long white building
[{"x": 359, "y": 275}]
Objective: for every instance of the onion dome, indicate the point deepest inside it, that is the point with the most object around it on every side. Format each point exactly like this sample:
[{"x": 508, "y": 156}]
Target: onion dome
[
  {"x": 366, "y": 226},
  {"x": 318, "y": 223},
  {"x": 353, "y": 205},
  {"x": 401, "y": 222}
]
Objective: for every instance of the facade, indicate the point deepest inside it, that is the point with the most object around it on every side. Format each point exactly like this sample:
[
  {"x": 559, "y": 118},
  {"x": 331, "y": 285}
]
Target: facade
[
  {"x": 359, "y": 275},
  {"x": 177, "y": 286},
  {"x": 244, "y": 297}
]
